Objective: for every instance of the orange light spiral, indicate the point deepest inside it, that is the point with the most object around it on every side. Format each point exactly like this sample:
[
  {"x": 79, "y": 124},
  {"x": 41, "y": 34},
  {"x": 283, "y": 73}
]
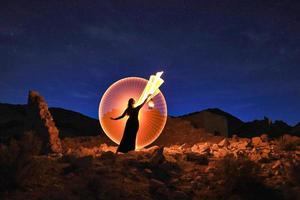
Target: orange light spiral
[{"x": 113, "y": 103}]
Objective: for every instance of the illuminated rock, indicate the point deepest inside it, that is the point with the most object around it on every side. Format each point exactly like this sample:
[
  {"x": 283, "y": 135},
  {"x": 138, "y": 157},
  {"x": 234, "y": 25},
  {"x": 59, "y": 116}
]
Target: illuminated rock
[
  {"x": 256, "y": 141},
  {"x": 235, "y": 138},
  {"x": 40, "y": 119},
  {"x": 158, "y": 157},
  {"x": 220, "y": 153},
  {"x": 201, "y": 148},
  {"x": 242, "y": 144},
  {"x": 224, "y": 143},
  {"x": 264, "y": 137}
]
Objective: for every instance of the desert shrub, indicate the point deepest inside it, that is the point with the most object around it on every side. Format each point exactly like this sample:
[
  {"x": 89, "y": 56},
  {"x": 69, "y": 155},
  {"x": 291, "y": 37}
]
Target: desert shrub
[
  {"x": 15, "y": 160},
  {"x": 287, "y": 143},
  {"x": 238, "y": 178}
]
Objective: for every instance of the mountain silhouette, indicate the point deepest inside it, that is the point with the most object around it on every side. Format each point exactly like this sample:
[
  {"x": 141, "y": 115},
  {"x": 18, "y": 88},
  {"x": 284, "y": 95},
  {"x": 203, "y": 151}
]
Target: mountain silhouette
[{"x": 186, "y": 128}]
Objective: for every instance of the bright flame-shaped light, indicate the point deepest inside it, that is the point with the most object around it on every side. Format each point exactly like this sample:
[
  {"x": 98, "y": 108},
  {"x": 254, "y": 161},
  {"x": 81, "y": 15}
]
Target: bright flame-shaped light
[{"x": 152, "y": 87}]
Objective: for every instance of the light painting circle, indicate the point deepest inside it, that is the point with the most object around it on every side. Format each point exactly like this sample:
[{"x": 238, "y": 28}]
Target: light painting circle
[{"x": 152, "y": 116}]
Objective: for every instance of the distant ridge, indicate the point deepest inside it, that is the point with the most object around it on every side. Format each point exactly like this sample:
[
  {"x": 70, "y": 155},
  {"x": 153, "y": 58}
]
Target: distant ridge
[{"x": 212, "y": 121}]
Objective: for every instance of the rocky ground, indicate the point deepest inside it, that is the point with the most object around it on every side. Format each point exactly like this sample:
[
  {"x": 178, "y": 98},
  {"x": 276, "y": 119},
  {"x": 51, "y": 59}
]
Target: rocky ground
[
  {"x": 235, "y": 168},
  {"x": 38, "y": 162}
]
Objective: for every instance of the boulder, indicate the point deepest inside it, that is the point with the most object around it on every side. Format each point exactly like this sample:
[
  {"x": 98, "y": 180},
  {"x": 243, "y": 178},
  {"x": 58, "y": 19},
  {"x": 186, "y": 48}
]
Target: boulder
[
  {"x": 214, "y": 147},
  {"x": 241, "y": 145},
  {"x": 40, "y": 119},
  {"x": 265, "y": 154},
  {"x": 150, "y": 150},
  {"x": 156, "y": 183},
  {"x": 224, "y": 143},
  {"x": 197, "y": 158},
  {"x": 157, "y": 157},
  {"x": 255, "y": 156},
  {"x": 256, "y": 141},
  {"x": 235, "y": 138},
  {"x": 276, "y": 165},
  {"x": 175, "y": 149},
  {"x": 221, "y": 153},
  {"x": 201, "y": 148},
  {"x": 264, "y": 138}
]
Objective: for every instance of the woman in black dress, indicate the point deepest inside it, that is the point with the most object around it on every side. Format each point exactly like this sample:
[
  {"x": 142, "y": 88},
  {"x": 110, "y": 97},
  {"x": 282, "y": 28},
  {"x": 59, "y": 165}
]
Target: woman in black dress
[{"x": 132, "y": 126}]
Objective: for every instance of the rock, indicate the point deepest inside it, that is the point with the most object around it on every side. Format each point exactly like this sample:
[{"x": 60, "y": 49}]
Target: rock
[
  {"x": 148, "y": 171},
  {"x": 242, "y": 145},
  {"x": 265, "y": 153},
  {"x": 197, "y": 158},
  {"x": 224, "y": 143},
  {"x": 40, "y": 119},
  {"x": 256, "y": 141},
  {"x": 180, "y": 195},
  {"x": 150, "y": 150},
  {"x": 174, "y": 153},
  {"x": 215, "y": 147},
  {"x": 76, "y": 163},
  {"x": 156, "y": 183},
  {"x": 172, "y": 158},
  {"x": 221, "y": 153},
  {"x": 255, "y": 157},
  {"x": 276, "y": 165},
  {"x": 105, "y": 147},
  {"x": 82, "y": 151},
  {"x": 158, "y": 189},
  {"x": 157, "y": 157},
  {"x": 170, "y": 168},
  {"x": 201, "y": 148},
  {"x": 235, "y": 138},
  {"x": 83, "y": 162},
  {"x": 108, "y": 155},
  {"x": 264, "y": 138},
  {"x": 174, "y": 149}
]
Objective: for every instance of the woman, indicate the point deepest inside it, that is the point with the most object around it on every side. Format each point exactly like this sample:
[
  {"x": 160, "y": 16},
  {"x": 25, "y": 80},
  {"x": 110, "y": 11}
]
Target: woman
[{"x": 132, "y": 126}]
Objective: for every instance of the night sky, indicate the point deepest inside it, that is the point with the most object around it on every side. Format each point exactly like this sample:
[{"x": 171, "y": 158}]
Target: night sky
[{"x": 240, "y": 56}]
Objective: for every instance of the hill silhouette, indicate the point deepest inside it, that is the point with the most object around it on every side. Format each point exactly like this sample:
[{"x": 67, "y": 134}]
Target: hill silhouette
[{"x": 185, "y": 128}]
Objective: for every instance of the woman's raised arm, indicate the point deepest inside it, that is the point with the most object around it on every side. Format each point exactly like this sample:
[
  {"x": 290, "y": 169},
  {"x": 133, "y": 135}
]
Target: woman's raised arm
[
  {"x": 120, "y": 117},
  {"x": 140, "y": 106}
]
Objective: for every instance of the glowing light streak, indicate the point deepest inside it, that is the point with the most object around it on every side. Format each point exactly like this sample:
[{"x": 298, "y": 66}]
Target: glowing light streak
[{"x": 152, "y": 87}]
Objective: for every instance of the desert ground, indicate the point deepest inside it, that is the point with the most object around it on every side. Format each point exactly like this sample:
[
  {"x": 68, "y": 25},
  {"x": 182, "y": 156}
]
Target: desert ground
[{"x": 42, "y": 158}]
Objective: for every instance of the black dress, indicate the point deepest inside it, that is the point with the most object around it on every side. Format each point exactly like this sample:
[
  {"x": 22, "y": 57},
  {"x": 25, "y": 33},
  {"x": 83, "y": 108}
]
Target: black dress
[{"x": 132, "y": 126}]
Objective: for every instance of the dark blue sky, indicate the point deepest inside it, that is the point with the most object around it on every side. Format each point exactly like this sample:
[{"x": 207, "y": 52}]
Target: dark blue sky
[{"x": 240, "y": 56}]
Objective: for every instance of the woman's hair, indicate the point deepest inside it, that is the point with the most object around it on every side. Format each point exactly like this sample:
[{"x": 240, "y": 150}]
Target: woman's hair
[{"x": 130, "y": 102}]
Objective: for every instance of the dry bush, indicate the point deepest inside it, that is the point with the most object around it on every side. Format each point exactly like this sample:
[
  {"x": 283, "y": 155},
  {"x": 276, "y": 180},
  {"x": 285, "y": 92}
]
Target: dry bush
[
  {"x": 238, "y": 178},
  {"x": 15, "y": 161}
]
